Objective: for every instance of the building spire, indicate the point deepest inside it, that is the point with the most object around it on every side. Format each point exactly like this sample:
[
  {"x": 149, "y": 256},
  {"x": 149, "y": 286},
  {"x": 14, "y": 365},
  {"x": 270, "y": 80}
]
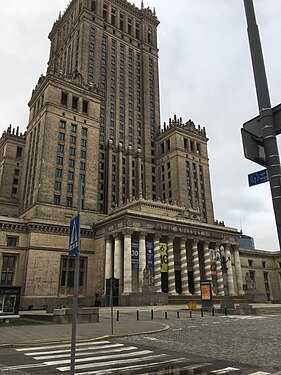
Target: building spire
[{"x": 142, "y": 6}]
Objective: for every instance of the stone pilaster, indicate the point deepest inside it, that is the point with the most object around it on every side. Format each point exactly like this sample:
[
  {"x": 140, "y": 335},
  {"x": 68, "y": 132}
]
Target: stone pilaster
[
  {"x": 196, "y": 267},
  {"x": 108, "y": 260},
  {"x": 207, "y": 265},
  {"x": 238, "y": 271},
  {"x": 230, "y": 280},
  {"x": 118, "y": 258},
  {"x": 142, "y": 259},
  {"x": 220, "y": 286},
  {"x": 171, "y": 268},
  {"x": 184, "y": 272},
  {"x": 157, "y": 265},
  {"x": 127, "y": 287}
]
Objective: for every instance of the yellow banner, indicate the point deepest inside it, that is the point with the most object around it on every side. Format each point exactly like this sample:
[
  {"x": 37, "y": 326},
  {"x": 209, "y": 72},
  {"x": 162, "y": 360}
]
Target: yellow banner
[{"x": 164, "y": 257}]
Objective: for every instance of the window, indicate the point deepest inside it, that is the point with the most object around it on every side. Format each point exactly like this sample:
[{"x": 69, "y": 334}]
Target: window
[
  {"x": 70, "y": 175},
  {"x": 83, "y": 154},
  {"x": 12, "y": 241},
  {"x": 8, "y": 269},
  {"x": 82, "y": 165},
  {"x": 62, "y": 124},
  {"x": 64, "y": 98},
  {"x": 60, "y": 148},
  {"x": 84, "y": 131},
  {"x": 17, "y": 172},
  {"x": 70, "y": 188},
  {"x": 68, "y": 270},
  {"x": 250, "y": 262},
  {"x": 72, "y": 139},
  {"x": 57, "y": 199},
  {"x": 73, "y": 128},
  {"x": 264, "y": 264},
  {"x": 71, "y": 163},
  {"x": 61, "y": 136},
  {"x": 19, "y": 152},
  {"x": 58, "y": 172},
  {"x": 57, "y": 185},
  {"x": 68, "y": 201},
  {"x": 72, "y": 151},
  {"x": 75, "y": 103},
  {"x": 85, "y": 107},
  {"x": 82, "y": 178},
  {"x": 60, "y": 160},
  {"x": 83, "y": 142}
]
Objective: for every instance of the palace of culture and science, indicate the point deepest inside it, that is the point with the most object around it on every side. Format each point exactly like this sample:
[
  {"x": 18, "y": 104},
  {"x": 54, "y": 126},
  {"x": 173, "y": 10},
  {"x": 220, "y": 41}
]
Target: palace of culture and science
[{"x": 147, "y": 214}]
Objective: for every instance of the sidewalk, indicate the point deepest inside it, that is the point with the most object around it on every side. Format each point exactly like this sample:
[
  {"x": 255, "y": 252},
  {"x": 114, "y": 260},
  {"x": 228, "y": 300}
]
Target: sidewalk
[
  {"x": 11, "y": 336},
  {"x": 127, "y": 325}
]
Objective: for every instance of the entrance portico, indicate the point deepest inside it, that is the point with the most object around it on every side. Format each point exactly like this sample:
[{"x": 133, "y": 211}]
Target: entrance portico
[{"x": 171, "y": 258}]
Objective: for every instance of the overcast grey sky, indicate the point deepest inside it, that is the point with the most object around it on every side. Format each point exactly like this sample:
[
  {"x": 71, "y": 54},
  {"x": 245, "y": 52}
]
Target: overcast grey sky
[{"x": 205, "y": 75}]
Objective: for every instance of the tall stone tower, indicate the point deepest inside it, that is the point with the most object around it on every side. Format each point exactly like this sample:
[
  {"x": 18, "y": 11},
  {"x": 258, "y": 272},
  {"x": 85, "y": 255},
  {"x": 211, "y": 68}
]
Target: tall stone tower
[{"x": 112, "y": 45}]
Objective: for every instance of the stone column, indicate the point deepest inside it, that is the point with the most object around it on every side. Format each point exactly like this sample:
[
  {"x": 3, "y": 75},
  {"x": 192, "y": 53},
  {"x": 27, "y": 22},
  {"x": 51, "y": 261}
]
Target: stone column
[
  {"x": 184, "y": 272},
  {"x": 207, "y": 264},
  {"x": 196, "y": 267},
  {"x": 108, "y": 260},
  {"x": 142, "y": 258},
  {"x": 171, "y": 267},
  {"x": 118, "y": 258},
  {"x": 157, "y": 265},
  {"x": 230, "y": 280},
  {"x": 127, "y": 287},
  {"x": 238, "y": 269},
  {"x": 220, "y": 286}
]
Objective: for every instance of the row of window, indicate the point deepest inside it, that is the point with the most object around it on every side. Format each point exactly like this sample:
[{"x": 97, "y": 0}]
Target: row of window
[
  {"x": 67, "y": 271},
  {"x": 74, "y": 103}
]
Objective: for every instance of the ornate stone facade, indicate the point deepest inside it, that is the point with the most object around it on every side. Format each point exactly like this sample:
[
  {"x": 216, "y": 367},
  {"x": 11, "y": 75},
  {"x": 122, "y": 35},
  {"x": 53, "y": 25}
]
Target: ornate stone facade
[{"x": 146, "y": 197}]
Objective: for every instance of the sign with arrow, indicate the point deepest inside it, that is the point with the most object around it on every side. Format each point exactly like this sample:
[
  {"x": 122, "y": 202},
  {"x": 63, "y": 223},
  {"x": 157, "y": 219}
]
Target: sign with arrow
[
  {"x": 74, "y": 235},
  {"x": 258, "y": 177}
]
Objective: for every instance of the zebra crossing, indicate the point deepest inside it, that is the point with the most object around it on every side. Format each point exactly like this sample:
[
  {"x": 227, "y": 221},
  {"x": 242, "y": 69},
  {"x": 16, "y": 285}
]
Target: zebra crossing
[{"x": 109, "y": 357}]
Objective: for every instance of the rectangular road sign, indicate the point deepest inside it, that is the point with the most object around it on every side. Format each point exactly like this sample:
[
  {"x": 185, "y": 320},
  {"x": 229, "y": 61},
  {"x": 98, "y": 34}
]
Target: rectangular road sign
[
  {"x": 74, "y": 235},
  {"x": 258, "y": 177}
]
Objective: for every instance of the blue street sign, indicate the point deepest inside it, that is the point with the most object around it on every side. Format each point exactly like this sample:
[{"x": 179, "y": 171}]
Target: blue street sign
[
  {"x": 74, "y": 235},
  {"x": 257, "y": 178}
]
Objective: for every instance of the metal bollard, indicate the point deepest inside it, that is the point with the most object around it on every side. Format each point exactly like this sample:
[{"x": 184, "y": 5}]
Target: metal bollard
[
  {"x": 117, "y": 315},
  {"x": 166, "y": 315},
  {"x": 225, "y": 310},
  {"x": 202, "y": 312},
  {"x": 213, "y": 311},
  {"x": 151, "y": 314},
  {"x": 178, "y": 314},
  {"x": 190, "y": 313},
  {"x": 138, "y": 315}
]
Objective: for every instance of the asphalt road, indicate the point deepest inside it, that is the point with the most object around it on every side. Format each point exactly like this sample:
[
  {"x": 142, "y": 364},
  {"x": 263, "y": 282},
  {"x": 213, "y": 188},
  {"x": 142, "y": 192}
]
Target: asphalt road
[
  {"x": 222, "y": 344},
  {"x": 251, "y": 340}
]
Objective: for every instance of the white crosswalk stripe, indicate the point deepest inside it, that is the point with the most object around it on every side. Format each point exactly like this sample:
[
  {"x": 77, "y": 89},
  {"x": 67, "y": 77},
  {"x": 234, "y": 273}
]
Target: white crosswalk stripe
[
  {"x": 97, "y": 357},
  {"x": 106, "y": 357}
]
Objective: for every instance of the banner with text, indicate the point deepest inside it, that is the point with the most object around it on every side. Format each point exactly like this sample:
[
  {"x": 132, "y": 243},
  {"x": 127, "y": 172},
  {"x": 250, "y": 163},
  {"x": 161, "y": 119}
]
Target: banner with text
[
  {"x": 149, "y": 246},
  {"x": 163, "y": 257},
  {"x": 135, "y": 255}
]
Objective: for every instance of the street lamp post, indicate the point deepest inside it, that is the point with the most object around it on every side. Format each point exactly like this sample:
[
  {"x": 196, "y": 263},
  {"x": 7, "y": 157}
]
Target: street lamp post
[{"x": 224, "y": 256}]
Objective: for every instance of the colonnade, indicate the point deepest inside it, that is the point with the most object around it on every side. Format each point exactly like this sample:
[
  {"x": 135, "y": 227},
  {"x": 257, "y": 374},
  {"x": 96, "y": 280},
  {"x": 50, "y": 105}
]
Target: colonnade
[{"x": 118, "y": 264}]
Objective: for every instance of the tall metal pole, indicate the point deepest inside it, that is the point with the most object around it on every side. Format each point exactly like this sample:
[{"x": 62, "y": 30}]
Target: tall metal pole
[
  {"x": 266, "y": 117},
  {"x": 76, "y": 290}
]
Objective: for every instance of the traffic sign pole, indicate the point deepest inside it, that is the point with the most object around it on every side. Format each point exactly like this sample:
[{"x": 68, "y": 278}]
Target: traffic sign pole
[
  {"x": 266, "y": 116},
  {"x": 76, "y": 288}
]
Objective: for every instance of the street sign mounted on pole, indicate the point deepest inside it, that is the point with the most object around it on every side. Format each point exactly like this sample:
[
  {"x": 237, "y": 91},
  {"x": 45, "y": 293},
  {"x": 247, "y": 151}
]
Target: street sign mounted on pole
[
  {"x": 258, "y": 177},
  {"x": 74, "y": 235}
]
